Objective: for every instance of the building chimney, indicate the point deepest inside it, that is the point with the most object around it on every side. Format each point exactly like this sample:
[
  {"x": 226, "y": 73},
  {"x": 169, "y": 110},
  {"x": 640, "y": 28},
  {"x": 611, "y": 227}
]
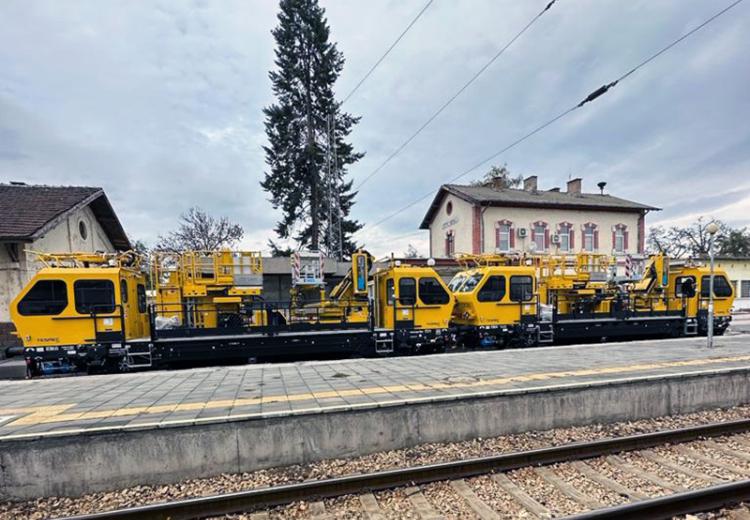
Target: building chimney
[
  {"x": 529, "y": 183},
  {"x": 574, "y": 186}
]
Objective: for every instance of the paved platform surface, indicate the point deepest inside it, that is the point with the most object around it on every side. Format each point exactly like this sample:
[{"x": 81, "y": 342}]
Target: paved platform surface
[{"x": 73, "y": 405}]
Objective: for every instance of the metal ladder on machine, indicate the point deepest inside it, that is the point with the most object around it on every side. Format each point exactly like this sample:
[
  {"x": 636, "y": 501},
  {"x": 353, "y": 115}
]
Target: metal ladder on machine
[
  {"x": 138, "y": 356},
  {"x": 545, "y": 334}
]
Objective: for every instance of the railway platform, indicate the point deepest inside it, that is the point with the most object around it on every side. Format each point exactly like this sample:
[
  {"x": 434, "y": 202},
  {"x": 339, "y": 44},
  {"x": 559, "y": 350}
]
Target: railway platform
[{"x": 72, "y": 435}]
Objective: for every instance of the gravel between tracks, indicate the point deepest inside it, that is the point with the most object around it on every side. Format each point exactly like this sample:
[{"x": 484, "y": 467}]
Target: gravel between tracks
[{"x": 423, "y": 454}]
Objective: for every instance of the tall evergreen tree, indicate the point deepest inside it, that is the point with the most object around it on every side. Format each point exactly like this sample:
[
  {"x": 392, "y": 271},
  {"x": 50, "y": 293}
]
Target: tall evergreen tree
[{"x": 297, "y": 125}]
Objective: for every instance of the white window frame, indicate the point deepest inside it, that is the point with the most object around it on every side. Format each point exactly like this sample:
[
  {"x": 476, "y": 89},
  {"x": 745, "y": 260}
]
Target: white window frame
[
  {"x": 564, "y": 234},
  {"x": 619, "y": 245},
  {"x": 589, "y": 232},
  {"x": 503, "y": 237},
  {"x": 540, "y": 236}
]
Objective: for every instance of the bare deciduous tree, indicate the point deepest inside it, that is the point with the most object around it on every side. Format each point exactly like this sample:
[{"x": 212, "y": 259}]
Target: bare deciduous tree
[
  {"x": 200, "y": 231},
  {"x": 688, "y": 241}
]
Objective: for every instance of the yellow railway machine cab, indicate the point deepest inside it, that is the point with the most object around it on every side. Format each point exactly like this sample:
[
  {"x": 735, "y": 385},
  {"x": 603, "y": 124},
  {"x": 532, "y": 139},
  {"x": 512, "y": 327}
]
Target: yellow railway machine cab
[
  {"x": 208, "y": 290},
  {"x": 411, "y": 309},
  {"x": 496, "y": 302},
  {"x": 688, "y": 292},
  {"x": 80, "y": 311}
]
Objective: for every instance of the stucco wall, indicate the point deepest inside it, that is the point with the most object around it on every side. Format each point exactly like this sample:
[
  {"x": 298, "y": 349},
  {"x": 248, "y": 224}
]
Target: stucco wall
[
  {"x": 63, "y": 237},
  {"x": 738, "y": 271},
  {"x": 461, "y": 219}
]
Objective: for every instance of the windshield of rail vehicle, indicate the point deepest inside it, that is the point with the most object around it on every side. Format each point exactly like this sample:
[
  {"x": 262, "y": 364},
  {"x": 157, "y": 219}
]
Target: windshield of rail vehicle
[
  {"x": 471, "y": 282},
  {"x": 457, "y": 281}
]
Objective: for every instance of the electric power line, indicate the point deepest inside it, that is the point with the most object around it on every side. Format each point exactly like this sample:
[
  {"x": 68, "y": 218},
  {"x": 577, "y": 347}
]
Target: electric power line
[
  {"x": 387, "y": 52},
  {"x": 454, "y": 96},
  {"x": 591, "y": 97}
]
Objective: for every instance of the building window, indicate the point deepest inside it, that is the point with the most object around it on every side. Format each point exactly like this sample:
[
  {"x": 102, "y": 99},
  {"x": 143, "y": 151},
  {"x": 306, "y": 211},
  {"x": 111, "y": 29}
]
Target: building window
[
  {"x": 450, "y": 243},
  {"x": 590, "y": 237},
  {"x": 82, "y": 230},
  {"x": 539, "y": 236},
  {"x": 431, "y": 292},
  {"x": 449, "y": 208},
  {"x": 565, "y": 232},
  {"x": 94, "y": 296},
  {"x": 503, "y": 237},
  {"x": 745, "y": 289},
  {"x": 620, "y": 238},
  {"x": 47, "y": 297}
]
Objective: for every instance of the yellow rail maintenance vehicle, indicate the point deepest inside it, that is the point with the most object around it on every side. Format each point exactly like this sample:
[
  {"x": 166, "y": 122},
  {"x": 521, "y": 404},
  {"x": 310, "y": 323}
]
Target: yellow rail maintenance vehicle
[
  {"x": 579, "y": 298},
  {"x": 496, "y": 302},
  {"x": 208, "y": 289},
  {"x": 80, "y": 311},
  {"x": 411, "y": 309},
  {"x": 90, "y": 312}
]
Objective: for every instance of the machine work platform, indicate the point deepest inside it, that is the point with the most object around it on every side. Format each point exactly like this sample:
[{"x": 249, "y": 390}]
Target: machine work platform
[{"x": 154, "y": 400}]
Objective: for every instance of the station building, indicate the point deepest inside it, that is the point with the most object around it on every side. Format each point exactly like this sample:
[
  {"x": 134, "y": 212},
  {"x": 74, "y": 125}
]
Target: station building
[
  {"x": 738, "y": 271},
  {"x": 489, "y": 219},
  {"x": 49, "y": 218}
]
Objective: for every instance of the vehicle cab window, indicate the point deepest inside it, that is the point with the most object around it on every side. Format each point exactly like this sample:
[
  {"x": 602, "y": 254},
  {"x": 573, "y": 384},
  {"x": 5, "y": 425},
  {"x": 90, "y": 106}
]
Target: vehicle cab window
[
  {"x": 493, "y": 289},
  {"x": 94, "y": 296},
  {"x": 722, "y": 289},
  {"x": 521, "y": 288},
  {"x": 431, "y": 292},
  {"x": 46, "y": 297},
  {"x": 407, "y": 291}
]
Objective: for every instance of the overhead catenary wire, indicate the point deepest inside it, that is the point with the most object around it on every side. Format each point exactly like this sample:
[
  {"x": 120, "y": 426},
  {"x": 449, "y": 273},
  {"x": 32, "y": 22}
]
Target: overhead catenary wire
[
  {"x": 387, "y": 52},
  {"x": 451, "y": 99},
  {"x": 591, "y": 97}
]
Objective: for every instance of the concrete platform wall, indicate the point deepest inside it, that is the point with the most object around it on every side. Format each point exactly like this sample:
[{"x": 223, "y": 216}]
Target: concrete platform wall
[{"x": 74, "y": 465}]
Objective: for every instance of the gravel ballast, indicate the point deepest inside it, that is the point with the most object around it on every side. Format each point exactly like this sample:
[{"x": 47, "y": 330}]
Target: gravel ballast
[{"x": 396, "y": 501}]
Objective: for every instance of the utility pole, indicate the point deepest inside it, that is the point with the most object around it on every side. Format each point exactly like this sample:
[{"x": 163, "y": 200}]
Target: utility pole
[{"x": 712, "y": 229}]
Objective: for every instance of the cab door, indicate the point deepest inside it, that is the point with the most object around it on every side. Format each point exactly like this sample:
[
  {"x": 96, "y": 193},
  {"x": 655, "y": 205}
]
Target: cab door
[
  {"x": 97, "y": 300},
  {"x": 492, "y": 304},
  {"x": 405, "y": 303},
  {"x": 522, "y": 297}
]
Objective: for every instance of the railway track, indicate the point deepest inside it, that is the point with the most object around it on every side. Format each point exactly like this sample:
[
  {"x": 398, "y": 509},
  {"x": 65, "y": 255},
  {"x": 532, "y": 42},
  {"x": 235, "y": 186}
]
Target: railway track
[{"x": 650, "y": 475}]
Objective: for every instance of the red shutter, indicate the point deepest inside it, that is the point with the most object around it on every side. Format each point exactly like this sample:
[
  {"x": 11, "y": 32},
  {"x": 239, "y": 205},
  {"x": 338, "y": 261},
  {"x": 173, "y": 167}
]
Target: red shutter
[
  {"x": 447, "y": 245},
  {"x": 614, "y": 241},
  {"x": 596, "y": 239},
  {"x": 572, "y": 241},
  {"x": 546, "y": 238},
  {"x": 625, "y": 234},
  {"x": 512, "y": 232},
  {"x": 497, "y": 237}
]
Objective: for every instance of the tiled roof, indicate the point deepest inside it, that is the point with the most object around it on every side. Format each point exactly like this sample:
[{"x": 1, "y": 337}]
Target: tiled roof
[
  {"x": 533, "y": 199},
  {"x": 27, "y": 210}
]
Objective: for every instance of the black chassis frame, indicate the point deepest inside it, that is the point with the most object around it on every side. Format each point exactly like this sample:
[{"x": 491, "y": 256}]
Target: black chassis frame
[{"x": 201, "y": 347}]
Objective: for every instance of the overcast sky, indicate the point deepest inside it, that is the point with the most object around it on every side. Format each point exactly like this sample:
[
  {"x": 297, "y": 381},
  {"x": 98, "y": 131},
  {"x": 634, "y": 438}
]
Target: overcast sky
[{"x": 159, "y": 103}]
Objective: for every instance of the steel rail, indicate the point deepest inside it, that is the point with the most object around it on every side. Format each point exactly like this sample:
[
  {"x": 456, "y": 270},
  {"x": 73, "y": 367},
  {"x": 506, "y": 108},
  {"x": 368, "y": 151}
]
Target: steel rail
[
  {"x": 253, "y": 499},
  {"x": 706, "y": 499}
]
